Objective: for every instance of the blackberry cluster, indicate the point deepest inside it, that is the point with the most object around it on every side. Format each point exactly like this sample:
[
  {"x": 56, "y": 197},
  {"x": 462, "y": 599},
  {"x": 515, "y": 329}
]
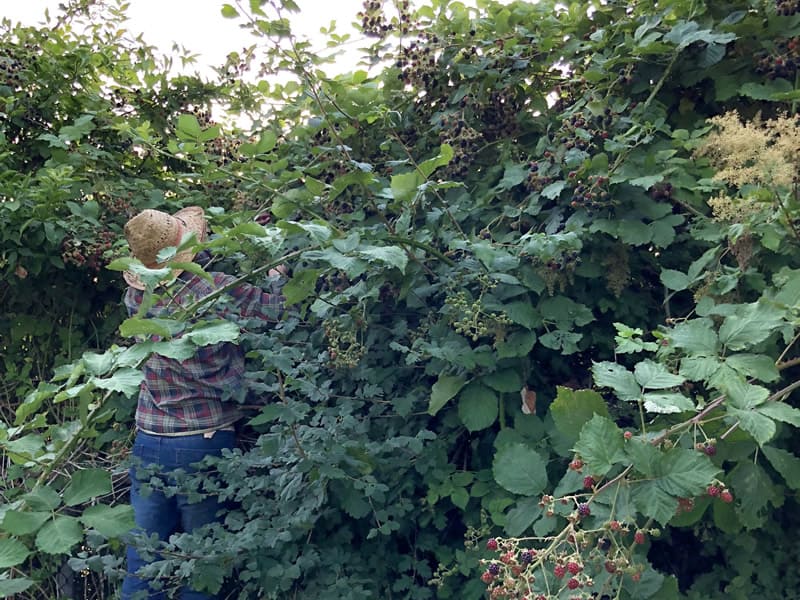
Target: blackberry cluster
[
  {"x": 375, "y": 24},
  {"x": 500, "y": 116},
  {"x": 417, "y": 64},
  {"x": 87, "y": 254},
  {"x": 787, "y": 8},
  {"x": 225, "y": 150},
  {"x": 538, "y": 177},
  {"x": 115, "y": 205},
  {"x": 661, "y": 192},
  {"x": 465, "y": 142},
  {"x": 783, "y": 62},
  {"x": 591, "y": 192},
  {"x": 10, "y": 72}
]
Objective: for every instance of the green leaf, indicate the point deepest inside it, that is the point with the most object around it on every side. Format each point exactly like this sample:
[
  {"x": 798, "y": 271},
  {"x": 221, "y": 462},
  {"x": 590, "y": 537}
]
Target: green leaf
[
  {"x": 522, "y": 313},
  {"x": 110, "y": 521},
  {"x": 700, "y": 368},
  {"x": 12, "y": 553},
  {"x": 134, "y": 326},
  {"x": 86, "y": 484},
  {"x": 443, "y": 158},
  {"x": 554, "y": 190},
  {"x": 695, "y": 336},
  {"x": 505, "y": 380},
  {"x": 653, "y": 502},
  {"x": 188, "y": 127},
  {"x": 685, "y": 473},
  {"x": 758, "y": 366},
  {"x": 445, "y": 388},
  {"x": 9, "y": 588},
  {"x": 618, "y": 378},
  {"x": 675, "y": 280},
  {"x": 43, "y": 498},
  {"x": 477, "y": 407},
  {"x": 600, "y": 445},
  {"x": 23, "y": 522},
  {"x": 300, "y": 286},
  {"x": 644, "y": 456},
  {"x": 785, "y": 463},
  {"x": 752, "y": 324},
  {"x": 742, "y": 394},
  {"x": 766, "y": 91},
  {"x": 753, "y": 489},
  {"x": 780, "y": 411},
  {"x": 572, "y": 409},
  {"x": 208, "y": 333},
  {"x": 520, "y": 470},
  {"x": 59, "y": 535},
  {"x": 522, "y": 516},
  {"x": 390, "y": 255},
  {"x": 125, "y": 381},
  {"x": 666, "y": 403},
  {"x": 98, "y": 364},
  {"x": 229, "y": 12},
  {"x": 655, "y": 376},
  {"x": 762, "y": 428}
]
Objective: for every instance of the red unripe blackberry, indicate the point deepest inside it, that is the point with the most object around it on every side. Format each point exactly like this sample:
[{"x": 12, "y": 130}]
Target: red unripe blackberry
[
  {"x": 559, "y": 571},
  {"x": 639, "y": 537},
  {"x": 491, "y": 544},
  {"x": 573, "y": 584},
  {"x": 713, "y": 491},
  {"x": 726, "y": 496},
  {"x": 574, "y": 568}
]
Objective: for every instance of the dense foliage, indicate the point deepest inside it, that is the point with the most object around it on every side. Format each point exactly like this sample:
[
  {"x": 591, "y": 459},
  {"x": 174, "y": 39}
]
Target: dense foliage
[{"x": 544, "y": 292}]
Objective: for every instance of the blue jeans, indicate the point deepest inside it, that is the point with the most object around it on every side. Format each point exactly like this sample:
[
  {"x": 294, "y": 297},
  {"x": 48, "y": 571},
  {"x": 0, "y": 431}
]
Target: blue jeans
[{"x": 155, "y": 512}]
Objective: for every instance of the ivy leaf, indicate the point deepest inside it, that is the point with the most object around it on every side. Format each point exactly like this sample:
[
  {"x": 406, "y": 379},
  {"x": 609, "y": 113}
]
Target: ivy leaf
[
  {"x": 572, "y": 409},
  {"x": 477, "y": 407},
  {"x": 520, "y": 470},
  {"x": 600, "y": 445},
  {"x": 59, "y": 535},
  {"x": 12, "y": 553},
  {"x": 655, "y": 376},
  {"x": 18, "y": 522},
  {"x": 445, "y": 388},
  {"x": 110, "y": 521},
  {"x": 618, "y": 378},
  {"x": 125, "y": 381},
  {"x": 785, "y": 463},
  {"x": 86, "y": 484}
]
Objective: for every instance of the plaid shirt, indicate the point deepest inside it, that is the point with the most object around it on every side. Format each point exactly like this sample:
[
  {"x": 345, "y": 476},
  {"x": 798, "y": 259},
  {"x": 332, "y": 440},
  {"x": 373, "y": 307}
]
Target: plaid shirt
[{"x": 194, "y": 396}]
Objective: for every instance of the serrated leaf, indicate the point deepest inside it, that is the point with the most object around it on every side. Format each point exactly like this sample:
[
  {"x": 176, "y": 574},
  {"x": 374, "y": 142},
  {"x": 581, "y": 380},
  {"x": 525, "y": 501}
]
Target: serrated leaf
[
  {"x": 518, "y": 343},
  {"x": 520, "y": 470},
  {"x": 758, "y": 366},
  {"x": 98, "y": 364},
  {"x": 443, "y": 158},
  {"x": 752, "y": 324},
  {"x": 43, "y": 498},
  {"x": 600, "y": 445},
  {"x": 59, "y": 535},
  {"x": 445, "y": 388},
  {"x": 685, "y": 473},
  {"x": 699, "y": 368},
  {"x": 554, "y": 190},
  {"x": 780, "y": 411},
  {"x": 477, "y": 407},
  {"x": 666, "y": 403},
  {"x": 743, "y": 395},
  {"x": 785, "y": 463},
  {"x": 18, "y": 522},
  {"x": 505, "y": 380},
  {"x": 753, "y": 489},
  {"x": 572, "y": 409},
  {"x": 404, "y": 186},
  {"x": 208, "y": 333},
  {"x": 654, "y": 502},
  {"x": 522, "y": 313},
  {"x": 300, "y": 286},
  {"x": 390, "y": 255},
  {"x": 522, "y": 516},
  {"x": 86, "y": 484},
  {"x": 125, "y": 381},
  {"x": 12, "y": 553},
  {"x": 762, "y": 428},
  {"x": 695, "y": 336},
  {"x": 618, "y": 378},
  {"x": 644, "y": 456},
  {"x": 655, "y": 376},
  {"x": 110, "y": 521}
]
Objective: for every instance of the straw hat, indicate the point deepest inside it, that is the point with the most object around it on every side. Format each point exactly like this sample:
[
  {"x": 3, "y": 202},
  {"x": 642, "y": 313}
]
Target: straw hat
[{"x": 151, "y": 231}]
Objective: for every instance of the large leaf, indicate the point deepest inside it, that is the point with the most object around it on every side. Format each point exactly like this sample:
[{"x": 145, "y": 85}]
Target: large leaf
[
  {"x": 389, "y": 255},
  {"x": 9, "y": 588},
  {"x": 695, "y": 337},
  {"x": 760, "y": 427},
  {"x": 43, "y": 499},
  {"x": 618, "y": 378},
  {"x": 666, "y": 403},
  {"x": 573, "y": 408},
  {"x": 59, "y": 535},
  {"x": 86, "y": 484},
  {"x": 125, "y": 381},
  {"x": 445, "y": 388},
  {"x": 110, "y": 521},
  {"x": 752, "y": 324},
  {"x": 780, "y": 411},
  {"x": 758, "y": 366},
  {"x": 785, "y": 463},
  {"x": 520, "y": 469},
  {"x": 12, "y": 553},
  {"x": 477, "y": 407},
  {"x": 655, "y": 376},
  {"x": 18, "y": 522},
  {"x": 213, "y": 332},
  {"x": 653, "y": 502},
  {"x": 600, "y": 445},
  {"x": 522, "y": 516}
]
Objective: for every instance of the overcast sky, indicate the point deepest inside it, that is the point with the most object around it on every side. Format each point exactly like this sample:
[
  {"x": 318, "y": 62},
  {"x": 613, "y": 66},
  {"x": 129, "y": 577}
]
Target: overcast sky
[{"x": 198, "y": 24}]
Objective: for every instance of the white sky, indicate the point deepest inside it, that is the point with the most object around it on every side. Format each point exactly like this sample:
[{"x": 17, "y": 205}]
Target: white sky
[{"x": 198, "y": 24}]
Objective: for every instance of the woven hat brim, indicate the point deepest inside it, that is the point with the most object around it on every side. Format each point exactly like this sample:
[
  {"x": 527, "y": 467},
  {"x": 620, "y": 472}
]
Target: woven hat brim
[{"x": 195, "y": 222}]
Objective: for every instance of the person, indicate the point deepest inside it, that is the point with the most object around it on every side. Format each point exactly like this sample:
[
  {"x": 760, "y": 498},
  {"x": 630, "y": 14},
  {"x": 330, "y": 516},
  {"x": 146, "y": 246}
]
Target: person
[{"x": 185, "y": 410}]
